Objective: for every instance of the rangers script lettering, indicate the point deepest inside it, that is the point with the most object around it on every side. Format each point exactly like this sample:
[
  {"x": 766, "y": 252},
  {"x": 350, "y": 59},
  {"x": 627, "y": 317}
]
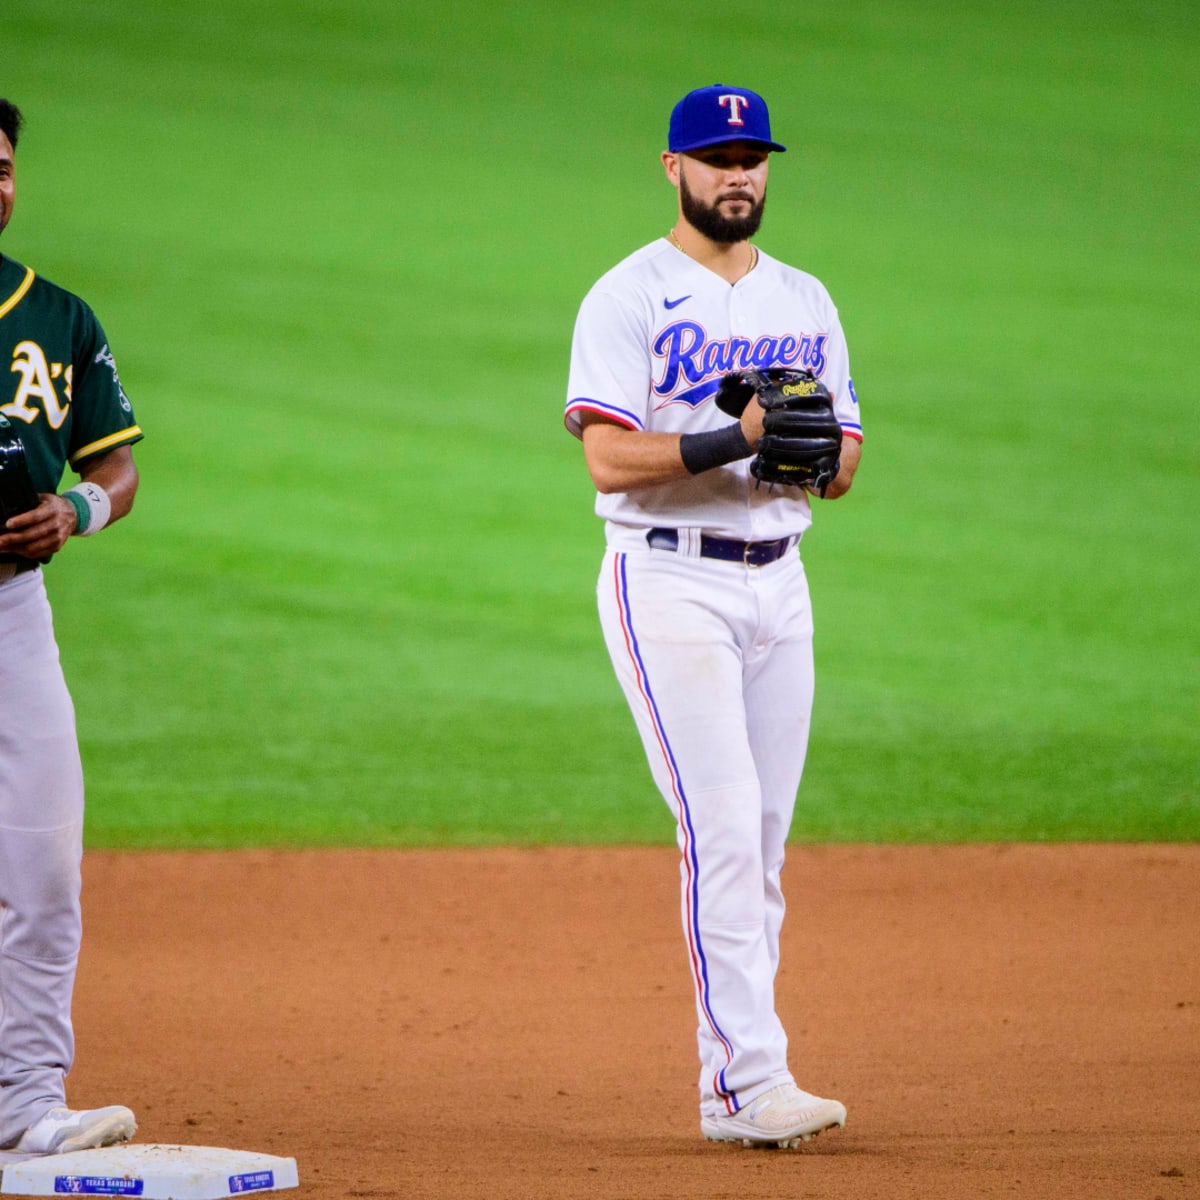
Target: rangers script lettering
[{"x": 692, "y": 358}]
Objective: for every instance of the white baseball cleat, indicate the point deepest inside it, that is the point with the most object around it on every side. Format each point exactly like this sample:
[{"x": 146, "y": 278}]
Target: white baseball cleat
[
  {"x": 63, "y": 1130},
  {"x": 784, "y": 1117}
]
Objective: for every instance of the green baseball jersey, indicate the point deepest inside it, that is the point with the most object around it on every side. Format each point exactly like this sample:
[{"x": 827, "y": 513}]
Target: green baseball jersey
[{"x": 64, "y": 396}]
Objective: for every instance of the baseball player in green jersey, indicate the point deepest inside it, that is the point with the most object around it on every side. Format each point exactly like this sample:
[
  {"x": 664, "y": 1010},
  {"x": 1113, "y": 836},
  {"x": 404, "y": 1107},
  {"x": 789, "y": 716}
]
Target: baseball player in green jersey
[{"x": 60, "y": 403}]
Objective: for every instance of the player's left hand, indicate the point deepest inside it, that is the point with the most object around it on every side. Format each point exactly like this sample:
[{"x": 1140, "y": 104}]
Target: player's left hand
[{"x": 41, "y": 531}]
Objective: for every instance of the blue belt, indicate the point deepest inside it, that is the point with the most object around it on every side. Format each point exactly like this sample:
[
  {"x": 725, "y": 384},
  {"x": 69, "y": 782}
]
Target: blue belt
[{"x": 753, "y": 554}]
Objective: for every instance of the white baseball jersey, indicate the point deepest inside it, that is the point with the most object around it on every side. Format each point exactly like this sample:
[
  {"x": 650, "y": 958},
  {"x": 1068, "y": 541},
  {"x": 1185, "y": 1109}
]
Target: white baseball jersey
[{"x": 652, "y": 340}]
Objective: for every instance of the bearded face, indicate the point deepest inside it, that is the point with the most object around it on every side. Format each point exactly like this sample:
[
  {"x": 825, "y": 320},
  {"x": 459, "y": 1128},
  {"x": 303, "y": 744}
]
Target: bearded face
[{"x": 718, "y": 225}]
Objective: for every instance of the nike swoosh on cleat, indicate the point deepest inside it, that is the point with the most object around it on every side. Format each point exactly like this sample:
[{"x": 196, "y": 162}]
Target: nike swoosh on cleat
[{"x": 676, "y": 303}]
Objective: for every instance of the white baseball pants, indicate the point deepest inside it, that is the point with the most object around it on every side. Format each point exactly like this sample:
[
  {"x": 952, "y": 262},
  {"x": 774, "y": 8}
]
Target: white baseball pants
[
  {"x": 715, "y": 659},
  {"x": 41, "y": 848}
]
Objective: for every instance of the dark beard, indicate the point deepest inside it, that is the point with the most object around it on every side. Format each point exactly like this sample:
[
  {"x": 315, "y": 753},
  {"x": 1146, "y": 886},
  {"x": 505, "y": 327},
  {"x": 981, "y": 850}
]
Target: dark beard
[{"x": 715, "y": 226}]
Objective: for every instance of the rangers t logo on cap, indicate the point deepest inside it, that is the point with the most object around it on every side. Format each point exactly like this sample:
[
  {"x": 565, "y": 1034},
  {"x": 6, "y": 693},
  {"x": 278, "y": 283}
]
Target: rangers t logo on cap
[{"x": 734, "y": 101}]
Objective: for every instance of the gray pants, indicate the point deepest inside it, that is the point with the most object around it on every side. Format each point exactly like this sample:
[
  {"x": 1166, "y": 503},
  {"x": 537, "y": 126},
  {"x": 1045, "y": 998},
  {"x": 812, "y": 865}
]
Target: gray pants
[{"x": 41, "y": 848}]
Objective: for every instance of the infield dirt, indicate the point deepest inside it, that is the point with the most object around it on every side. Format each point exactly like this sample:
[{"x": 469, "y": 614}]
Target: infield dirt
[{"x": 999, "y": 1020}]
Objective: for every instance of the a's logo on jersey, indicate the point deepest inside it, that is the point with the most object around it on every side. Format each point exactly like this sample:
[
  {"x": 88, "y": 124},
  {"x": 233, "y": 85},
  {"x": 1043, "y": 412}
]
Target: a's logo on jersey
[
  {"x": 693, "y": 364},
  {"x": 676, "y": 303},
  {"x": 37, "y": 376},
  {"x": 735, "y": 104}
]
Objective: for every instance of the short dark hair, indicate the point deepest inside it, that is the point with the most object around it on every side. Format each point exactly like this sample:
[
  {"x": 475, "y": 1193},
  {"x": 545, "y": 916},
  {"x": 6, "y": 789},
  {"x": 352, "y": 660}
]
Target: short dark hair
[{"x": 10, "y": 121}]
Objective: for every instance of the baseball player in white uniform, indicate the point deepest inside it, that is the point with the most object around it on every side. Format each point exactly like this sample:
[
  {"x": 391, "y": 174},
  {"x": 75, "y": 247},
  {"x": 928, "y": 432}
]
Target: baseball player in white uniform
[{"x": 702, "y": 593}]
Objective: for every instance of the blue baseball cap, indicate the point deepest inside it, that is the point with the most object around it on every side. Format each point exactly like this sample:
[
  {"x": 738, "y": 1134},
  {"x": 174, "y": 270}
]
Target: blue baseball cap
[{"x": 712, "y": 115}]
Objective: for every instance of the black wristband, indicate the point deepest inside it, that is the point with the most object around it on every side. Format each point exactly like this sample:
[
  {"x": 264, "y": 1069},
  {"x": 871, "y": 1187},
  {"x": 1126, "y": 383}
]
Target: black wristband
[{"x": 703, "y": 451}]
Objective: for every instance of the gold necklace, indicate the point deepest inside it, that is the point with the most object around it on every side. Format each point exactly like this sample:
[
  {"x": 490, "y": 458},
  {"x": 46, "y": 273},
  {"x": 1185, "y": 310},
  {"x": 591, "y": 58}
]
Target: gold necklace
[{"x": 679, "y": 246}]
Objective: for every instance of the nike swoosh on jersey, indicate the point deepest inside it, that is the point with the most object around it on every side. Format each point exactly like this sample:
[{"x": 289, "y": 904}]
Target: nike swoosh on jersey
[{"x": 676, "y": 303}]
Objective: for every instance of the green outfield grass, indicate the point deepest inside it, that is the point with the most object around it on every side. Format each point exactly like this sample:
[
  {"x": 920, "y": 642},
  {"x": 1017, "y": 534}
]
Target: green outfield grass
[{"x": 338, "y": 250}]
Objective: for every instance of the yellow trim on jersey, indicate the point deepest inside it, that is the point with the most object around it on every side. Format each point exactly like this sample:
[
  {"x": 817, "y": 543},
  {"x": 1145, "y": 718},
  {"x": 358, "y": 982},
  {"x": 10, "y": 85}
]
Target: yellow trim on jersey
[
  {"x": 15, "y": 298},
  {"x": 106, "y": 443}
]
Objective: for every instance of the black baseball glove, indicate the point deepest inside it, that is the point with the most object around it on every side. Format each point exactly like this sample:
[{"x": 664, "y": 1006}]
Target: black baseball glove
[
  {"x": 802, "y": 439},
  {"x": 17, "y": 493}
]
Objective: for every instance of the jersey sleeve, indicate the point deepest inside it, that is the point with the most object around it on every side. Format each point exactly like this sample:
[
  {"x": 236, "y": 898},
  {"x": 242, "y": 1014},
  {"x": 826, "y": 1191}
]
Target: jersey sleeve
[
  {"x": 610, "y": 364},
  {"x": 103, "y": 417}
]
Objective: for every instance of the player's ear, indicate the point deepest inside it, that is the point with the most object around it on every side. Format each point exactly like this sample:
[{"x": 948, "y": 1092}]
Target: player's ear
[{"x": 671, "y": 166}]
